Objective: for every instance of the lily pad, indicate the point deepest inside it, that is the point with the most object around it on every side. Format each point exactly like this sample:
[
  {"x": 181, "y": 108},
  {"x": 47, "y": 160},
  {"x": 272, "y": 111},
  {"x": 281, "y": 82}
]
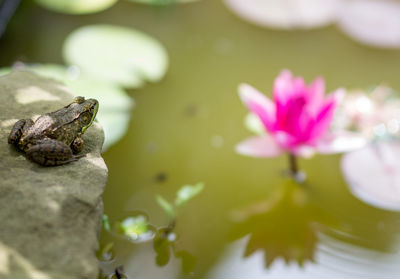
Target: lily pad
[
  {"x": 374, "y": 23},
  {"x": 76, "y": 6},
  {"x": 115, "y": 104},
  {"x": 124, "y": 56},
  {"x": 373, "y": 174},
  {"x": 162, "y": 2},
  {"x": 286, "y": 14}
]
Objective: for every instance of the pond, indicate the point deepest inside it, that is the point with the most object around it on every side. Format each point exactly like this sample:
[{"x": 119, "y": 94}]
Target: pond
[{"x": 249, "y": 219}]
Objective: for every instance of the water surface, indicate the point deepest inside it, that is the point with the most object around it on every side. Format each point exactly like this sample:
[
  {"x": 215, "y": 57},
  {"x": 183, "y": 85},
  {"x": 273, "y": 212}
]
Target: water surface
[{"x": 184, "y": 129}]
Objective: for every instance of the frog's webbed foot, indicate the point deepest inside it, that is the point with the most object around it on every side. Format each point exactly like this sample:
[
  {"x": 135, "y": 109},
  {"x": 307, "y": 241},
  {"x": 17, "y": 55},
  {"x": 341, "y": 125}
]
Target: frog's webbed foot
[
  {"x": 18, "y": 129},
  {"x": 77, "y": 145},
  {"x": 50, "y": 152}
]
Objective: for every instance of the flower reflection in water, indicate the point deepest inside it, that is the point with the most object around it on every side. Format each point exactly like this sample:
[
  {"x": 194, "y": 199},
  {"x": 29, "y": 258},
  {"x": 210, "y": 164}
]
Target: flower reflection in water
[{"x": 284, "y": 226}]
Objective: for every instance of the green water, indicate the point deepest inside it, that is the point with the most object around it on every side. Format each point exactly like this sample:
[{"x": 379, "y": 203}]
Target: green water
[{"x": 184, "y": 129}]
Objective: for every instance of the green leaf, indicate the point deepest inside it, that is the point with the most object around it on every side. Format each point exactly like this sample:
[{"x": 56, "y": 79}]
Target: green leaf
[
  {"x": 187, "y": 192},
  {"x": 120, "y": 55},
  {"x": 134, "y": 227},
  {"x": 166, "y": 206},
  {"x": 106, "y": 223},
  {"x": 76, "y": 6},
  {"x": 161, "y": 246},
  {"x": 188, "y": 261}
]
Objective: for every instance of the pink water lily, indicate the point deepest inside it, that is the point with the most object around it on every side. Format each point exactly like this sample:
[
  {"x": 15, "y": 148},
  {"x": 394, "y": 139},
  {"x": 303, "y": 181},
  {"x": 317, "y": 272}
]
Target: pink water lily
[{"x": 296, "y": 121}]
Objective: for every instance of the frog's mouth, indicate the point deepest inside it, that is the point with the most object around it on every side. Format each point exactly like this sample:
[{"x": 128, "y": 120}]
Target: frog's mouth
[{"x": 93, "y": 110}]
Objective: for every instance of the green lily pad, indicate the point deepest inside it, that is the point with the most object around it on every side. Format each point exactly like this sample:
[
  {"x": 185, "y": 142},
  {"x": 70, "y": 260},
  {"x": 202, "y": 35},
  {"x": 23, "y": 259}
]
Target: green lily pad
[
  {"x": 134, "y": 227},
  {"x": 162, "y": 2},
  {"x": 115, "y": 125},
  {"x": 76, "y": 6},
  {"x": 117, "y": 54},
  {"x": 115, "y": 104}
]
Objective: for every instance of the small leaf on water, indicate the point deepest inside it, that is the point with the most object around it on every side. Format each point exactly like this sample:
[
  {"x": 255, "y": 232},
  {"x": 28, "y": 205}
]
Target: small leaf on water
[
  {"x": 134, "y": 227},
  {"x": 161, "y": 246},
  {"x": 187, "y": 192},
  {"x": 107, "y": 253},
  {"x": 188, "y": 261},
  {"x": 106, "y": 223},
  {"x": 166, "y": 206}
]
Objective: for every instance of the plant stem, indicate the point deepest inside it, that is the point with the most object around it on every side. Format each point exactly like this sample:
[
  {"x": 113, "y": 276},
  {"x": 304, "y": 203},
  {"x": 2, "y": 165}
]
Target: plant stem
[{"x": 294, "y": 169}]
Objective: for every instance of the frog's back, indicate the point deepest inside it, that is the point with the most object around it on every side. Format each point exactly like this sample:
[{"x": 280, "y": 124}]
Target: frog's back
[
  {"x": 40, "y": 128},
  {"x": 50, "y": 125}
]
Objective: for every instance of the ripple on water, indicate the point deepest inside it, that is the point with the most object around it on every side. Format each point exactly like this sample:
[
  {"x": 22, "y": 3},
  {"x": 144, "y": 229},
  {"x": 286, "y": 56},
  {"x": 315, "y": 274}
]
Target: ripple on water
[{"x": 335, "y": 257}]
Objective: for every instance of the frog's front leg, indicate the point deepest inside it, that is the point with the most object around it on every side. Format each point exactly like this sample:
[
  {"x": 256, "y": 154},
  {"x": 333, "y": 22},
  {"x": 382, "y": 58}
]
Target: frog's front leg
[
  {"x": 18, "y": 129},
  {"x": 50, "y": 152},
  {"x": 77, "y": 145}
]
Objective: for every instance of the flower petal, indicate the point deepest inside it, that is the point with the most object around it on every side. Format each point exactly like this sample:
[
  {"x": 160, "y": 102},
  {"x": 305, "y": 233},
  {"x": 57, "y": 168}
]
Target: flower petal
[
  {"x": 259, "y": 104},
  {"x": 282, "y": 83},
  {"x": 316, "y": 95},
  {"x": 264, "y": 146},
  {"x": 324, "y": 117},
  {"x": 339, "y": 142},
  {"x": 286, "y": 86},
  {"x": 304, "y": 151}
]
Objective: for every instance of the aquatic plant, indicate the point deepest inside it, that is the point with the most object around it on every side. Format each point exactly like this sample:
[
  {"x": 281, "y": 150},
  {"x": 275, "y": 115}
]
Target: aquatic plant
[
  {"x": 267, "y": 229},
  {"x": 137, "y": 228},
  {"x": 164, "y": 241},
  {"x": 183, "y": 195},
  {"x": 297, "y": 120}
]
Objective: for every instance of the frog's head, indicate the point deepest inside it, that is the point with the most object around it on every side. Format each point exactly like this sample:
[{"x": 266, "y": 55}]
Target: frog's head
[{"x": 87, "y": 110}]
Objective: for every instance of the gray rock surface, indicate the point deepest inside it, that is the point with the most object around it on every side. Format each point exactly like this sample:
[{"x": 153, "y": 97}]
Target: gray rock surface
[{"x": 50, "y": 216}]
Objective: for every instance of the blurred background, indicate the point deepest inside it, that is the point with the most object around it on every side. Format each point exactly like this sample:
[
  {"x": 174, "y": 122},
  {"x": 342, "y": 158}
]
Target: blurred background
[{"x": 166, "y": 74}]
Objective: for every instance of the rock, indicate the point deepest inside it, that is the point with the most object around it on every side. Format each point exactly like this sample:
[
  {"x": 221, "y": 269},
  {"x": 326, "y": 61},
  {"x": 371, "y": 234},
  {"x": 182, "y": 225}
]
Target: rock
[{"x": 50, "y": 216}]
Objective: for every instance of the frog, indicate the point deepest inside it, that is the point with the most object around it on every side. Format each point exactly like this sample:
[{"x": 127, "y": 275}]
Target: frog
[{"x": 55, "y": 138}]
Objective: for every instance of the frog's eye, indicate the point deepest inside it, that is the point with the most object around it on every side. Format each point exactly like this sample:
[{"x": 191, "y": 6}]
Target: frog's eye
[{"x": 79, "y": 99}]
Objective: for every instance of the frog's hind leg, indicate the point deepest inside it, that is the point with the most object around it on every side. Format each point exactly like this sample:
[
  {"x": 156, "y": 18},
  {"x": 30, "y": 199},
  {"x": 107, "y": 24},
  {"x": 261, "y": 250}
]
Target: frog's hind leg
[
  {"x": 77, "y": 145},
  {"x": 18, "y": 129},
  {"x": 50, "y": 152}
]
